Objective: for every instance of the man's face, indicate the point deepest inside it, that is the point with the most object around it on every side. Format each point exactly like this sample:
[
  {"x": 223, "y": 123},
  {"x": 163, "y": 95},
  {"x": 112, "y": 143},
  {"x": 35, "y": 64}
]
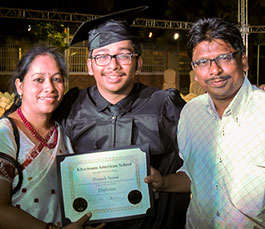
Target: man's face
[
  {"x": 223, "y": 79},
  {"x": 114, "y": 79}
]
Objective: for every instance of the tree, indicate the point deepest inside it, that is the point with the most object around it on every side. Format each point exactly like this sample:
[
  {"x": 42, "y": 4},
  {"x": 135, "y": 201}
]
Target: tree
[
  {"x": 26, "y": 33},
  {"x": 52, "y": 33}
]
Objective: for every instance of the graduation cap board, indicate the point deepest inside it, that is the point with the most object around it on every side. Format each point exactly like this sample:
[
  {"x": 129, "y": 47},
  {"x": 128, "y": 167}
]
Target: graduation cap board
[{"x": 107, "y": 29}]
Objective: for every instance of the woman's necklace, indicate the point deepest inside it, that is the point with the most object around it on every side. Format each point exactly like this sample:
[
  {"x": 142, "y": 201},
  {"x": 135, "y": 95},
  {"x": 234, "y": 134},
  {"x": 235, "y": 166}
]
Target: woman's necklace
[{"x": 42, "y": 141}]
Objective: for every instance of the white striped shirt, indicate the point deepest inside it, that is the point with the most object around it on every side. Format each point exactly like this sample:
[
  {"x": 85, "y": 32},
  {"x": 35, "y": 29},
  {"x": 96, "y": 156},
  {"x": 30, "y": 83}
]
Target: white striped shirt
[{"x": 225, "y": 160}]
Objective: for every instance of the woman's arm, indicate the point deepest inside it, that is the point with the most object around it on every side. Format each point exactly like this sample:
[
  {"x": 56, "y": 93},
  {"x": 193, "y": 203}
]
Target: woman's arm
[{"x": 12, "y": 217}]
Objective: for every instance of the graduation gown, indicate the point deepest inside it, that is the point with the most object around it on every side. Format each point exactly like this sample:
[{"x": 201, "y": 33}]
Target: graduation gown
[{"x": 146, "y": 115}]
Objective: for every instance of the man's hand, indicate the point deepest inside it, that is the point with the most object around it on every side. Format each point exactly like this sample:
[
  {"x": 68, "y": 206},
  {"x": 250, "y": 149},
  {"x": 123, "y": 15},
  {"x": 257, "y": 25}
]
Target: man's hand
[
  {"x": 155, "y": 179},
  {"x": 262, "y": 87}
]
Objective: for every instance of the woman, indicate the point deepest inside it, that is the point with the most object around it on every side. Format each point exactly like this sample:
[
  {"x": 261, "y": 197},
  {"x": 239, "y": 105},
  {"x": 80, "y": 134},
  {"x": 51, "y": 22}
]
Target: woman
[{"x": 38, "y": 85}]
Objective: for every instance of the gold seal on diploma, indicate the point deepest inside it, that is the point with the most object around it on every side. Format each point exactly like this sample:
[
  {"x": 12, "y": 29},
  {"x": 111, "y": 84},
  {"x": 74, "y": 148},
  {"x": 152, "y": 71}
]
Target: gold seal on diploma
[
  {"x": 135, "y": 197},
  {"x": 80, "y": 204}
]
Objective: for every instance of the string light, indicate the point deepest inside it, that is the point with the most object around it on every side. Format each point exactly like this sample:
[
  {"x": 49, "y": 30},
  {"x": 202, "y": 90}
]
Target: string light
[
  {"x": 150, "y": 35},
  {"x": 176, "y": 36}
]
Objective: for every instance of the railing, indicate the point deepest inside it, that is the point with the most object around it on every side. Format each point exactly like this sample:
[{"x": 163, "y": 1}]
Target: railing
[
  {"x": 9, "y": 57},
  {"x": 77, "y": 59},
  {"x": 154, "y": 61}
]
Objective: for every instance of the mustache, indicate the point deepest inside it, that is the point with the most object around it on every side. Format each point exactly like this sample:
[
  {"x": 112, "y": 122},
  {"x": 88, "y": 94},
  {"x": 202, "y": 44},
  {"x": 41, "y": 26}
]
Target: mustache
[
  {"x": 113, "y": 73},
  {"x": 218, "y": 77}
]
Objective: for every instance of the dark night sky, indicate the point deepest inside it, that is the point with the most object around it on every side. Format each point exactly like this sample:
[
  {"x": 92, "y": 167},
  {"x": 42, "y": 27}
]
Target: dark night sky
[
  {"x": 179, "y": 10},
  {"x": 100, "y": 7}
]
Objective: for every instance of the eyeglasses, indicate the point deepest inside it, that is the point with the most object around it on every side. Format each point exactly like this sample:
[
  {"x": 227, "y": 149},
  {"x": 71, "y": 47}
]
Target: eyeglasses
[
  {"x": 220, "y": 60},
  {"x": 122, "y": 58}
]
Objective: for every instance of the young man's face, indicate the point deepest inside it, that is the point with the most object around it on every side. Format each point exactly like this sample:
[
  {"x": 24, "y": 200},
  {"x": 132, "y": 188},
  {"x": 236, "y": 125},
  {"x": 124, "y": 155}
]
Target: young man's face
[
  {"x": 114, "y": 78},
  {"x": 223, "y": 77}
]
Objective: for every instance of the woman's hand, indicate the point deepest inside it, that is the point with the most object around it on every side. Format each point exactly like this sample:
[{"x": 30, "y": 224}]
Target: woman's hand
[{"x": 79, "y": 223}]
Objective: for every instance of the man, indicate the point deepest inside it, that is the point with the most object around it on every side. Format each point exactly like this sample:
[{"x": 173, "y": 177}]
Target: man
[
  {"x": 262, "y": 87},
  {"x": 221, "y": 135},
  {"x": 117, "y": 112}
]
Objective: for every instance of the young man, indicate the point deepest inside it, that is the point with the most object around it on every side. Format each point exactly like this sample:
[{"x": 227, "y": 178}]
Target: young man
[
  {"x": 221, "y": 135},
  {"x": 117, "y": 112}
]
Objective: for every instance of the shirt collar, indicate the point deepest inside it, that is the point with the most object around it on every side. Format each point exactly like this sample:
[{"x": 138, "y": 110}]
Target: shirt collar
[
  {"x": 100, "y": 103},
  {"x": 238, "y": 103},
  {"x": 125, "y": 104}
]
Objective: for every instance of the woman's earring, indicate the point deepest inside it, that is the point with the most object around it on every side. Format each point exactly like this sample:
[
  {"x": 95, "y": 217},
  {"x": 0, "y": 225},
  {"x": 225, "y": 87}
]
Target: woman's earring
[{"x": 20, "y": 96}]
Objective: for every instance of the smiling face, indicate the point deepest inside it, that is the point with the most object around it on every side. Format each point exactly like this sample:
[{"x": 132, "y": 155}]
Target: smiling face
[
  {"x": 222, "y": 81},
  {"x": 43, "y": 86},
  {"x": 115, "y": 80}
]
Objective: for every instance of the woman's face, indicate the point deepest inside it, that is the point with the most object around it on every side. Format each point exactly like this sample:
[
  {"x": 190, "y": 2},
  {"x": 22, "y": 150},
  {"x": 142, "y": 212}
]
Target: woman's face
[{"x": 43, "y": 86}]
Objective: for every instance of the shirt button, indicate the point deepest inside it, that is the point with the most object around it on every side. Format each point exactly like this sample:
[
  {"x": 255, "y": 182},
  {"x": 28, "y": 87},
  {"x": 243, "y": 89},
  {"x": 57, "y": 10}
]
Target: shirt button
[
  {"x": 216, "y": 186},
  {"x": 220, "y": 160},
  {"x": 223, "y": 133},
  {"x": 217, "y": 213}
]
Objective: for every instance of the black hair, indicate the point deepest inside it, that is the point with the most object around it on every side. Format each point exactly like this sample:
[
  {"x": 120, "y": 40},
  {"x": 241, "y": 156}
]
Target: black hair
[
  {"x": 24, "y": 65},
  {"x": 137, "y": 47},
  {"x": 210, "y": 29}
]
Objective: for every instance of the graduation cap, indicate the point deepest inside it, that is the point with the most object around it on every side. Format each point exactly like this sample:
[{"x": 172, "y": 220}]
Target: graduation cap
[{"x": 107, "y": 29}]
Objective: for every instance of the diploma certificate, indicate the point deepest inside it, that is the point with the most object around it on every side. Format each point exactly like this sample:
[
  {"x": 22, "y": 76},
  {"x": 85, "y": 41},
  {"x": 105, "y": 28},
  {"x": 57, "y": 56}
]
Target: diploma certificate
[{"x": 110, "y": 184}]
